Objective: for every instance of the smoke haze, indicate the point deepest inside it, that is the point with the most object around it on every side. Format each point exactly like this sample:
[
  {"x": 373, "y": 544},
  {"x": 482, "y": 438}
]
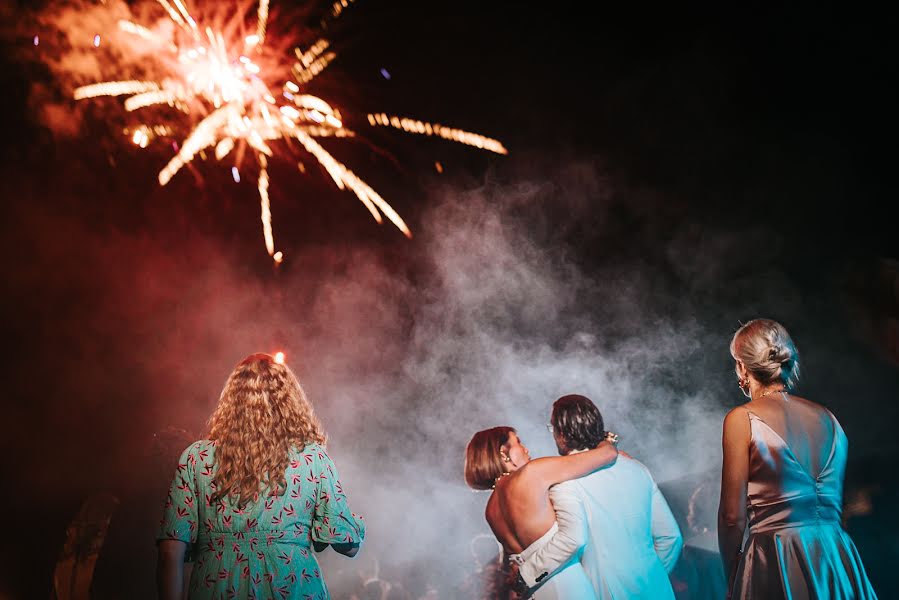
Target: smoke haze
[{"x": 554, "y": 271}]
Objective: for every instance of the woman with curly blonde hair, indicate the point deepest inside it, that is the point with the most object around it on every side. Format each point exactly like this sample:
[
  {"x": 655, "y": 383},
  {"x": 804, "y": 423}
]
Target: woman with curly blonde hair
[{"x": 250, "y": 503}]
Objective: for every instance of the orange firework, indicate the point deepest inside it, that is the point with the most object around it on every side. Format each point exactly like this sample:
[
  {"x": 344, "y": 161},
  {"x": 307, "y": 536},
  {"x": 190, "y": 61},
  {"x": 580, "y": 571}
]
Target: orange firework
[{"x": 244, "y": 100}]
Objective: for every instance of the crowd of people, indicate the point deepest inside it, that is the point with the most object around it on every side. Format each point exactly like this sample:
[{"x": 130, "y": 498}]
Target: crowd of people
[{"x": 252, "y": 503}]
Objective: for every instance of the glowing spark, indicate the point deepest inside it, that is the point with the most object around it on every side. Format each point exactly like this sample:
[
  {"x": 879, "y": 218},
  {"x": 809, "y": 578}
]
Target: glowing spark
[
  {"x": 150, "y": 98},
  {"x": 237, "y": 97},
  {"x": 343, "y": 177},
  {"x": 183, "y": 10},
  {"x": 385, "y": 74},
  {"x": 279, "y": 358},
  {"x": 262, "y": 19},
  {"x": 115, "y": 88},
  {"x": 202, "y": 137},
  {"x": 312, "y": 62},
  {"x": 37, "y": 40},
  {"x": 146, "y": 34},
  {"x": 438, "y": 166},
  {"x": 223, "y": 148},
  {"x": 449, "y": 133},
  {"x": 266, "y": 210},
  {"x": 314, "y": 51},
  {"x": 338, "y": 7},
  {"x": 140, "y": 138},
  {"x": 173, "y": 14}
]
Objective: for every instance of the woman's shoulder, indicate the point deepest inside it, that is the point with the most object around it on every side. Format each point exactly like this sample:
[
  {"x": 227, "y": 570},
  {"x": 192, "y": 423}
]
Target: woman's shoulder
[
  {"x": 824, "y": 414},
  {"x": 312, "y": 450},
  {"x": 797, "y": 404},
  {"x": 809, "y": 404},
  {"x": 736, "y": 416},
  {"x": 536, "y": 470},
  {"x": 736, "y": 423},
  {"x": 200, "y": 448}
]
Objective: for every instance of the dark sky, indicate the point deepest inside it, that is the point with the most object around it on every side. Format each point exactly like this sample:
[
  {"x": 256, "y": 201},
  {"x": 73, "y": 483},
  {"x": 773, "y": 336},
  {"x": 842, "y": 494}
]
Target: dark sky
[{"x": 735, "y": 148}]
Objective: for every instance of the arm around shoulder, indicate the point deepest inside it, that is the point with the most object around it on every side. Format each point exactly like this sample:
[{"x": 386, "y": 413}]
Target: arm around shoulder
[{"x": 551, "y": 470}]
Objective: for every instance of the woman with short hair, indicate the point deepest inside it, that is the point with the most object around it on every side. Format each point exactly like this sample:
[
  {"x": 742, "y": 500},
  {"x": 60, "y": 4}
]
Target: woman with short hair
[{"x": 519, "y": 510}]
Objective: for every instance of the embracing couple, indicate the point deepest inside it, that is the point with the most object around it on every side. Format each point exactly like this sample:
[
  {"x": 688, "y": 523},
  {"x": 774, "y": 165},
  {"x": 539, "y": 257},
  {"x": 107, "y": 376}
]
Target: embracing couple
[{"x": 585, "y": 525}]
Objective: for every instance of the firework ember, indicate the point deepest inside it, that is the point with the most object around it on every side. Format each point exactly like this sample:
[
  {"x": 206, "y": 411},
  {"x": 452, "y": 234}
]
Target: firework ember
[{"x": 237, "y": 96}]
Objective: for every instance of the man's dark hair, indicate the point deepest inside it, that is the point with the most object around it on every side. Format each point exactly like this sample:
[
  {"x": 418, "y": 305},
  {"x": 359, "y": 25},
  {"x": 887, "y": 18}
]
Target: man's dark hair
[{"x": 578, "y": 421}]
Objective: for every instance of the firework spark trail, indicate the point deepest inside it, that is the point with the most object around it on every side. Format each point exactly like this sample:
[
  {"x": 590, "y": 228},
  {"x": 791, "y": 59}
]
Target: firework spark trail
[
  {"x": 343, "y": 177},
  {"x": 266, "y": 211},
  {"x": 232, "y": 92},
  {"x": 202, "y": 137},
  {"x": 448, "y": 133},
  {"x": 115, "y": 88},
  {"x": 146, "y": 34},
  {"x": 261, "y": 20},
  {"x": 338, "y": 7},
  {"x": 150, "y": 98}
]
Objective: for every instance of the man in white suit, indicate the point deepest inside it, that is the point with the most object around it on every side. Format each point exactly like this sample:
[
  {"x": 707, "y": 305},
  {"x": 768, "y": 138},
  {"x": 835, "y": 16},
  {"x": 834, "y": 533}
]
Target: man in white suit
[{"x": 615, "y": 521}]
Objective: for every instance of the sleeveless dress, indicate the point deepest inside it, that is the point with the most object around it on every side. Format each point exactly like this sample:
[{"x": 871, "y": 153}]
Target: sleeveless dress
[
  {"x": 569, "y": 583},
  {"x": 265, "y": 549},
  {"x": 797, "y": 547}
]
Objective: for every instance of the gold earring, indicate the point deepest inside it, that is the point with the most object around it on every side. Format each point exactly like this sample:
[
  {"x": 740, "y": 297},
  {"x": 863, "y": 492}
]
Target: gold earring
[
  {"x": 743, "y": 382},
  {"x": 505, "y": 457}
]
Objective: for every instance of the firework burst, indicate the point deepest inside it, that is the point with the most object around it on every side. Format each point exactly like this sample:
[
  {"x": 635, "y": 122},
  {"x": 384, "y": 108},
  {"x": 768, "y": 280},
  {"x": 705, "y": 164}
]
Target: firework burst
[{"x": 241, "y": 95}]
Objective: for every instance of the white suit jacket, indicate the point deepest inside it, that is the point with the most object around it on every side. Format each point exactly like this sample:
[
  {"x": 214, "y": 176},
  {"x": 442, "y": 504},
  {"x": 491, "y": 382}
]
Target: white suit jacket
[{"x": 619, "y": 524}]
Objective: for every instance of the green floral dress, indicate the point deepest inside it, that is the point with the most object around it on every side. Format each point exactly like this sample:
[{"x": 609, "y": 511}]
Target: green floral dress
[{"x": 265, "y": 549}]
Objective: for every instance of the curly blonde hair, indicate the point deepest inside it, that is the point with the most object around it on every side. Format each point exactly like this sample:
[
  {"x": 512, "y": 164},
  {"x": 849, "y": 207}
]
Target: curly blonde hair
[{"x": 262, "y": 413}]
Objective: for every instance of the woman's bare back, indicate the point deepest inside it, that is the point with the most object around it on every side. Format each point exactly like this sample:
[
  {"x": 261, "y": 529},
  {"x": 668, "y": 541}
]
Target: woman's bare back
[
  {"x": 806, "y": 427},
  {"x": 519, "y": 511}
]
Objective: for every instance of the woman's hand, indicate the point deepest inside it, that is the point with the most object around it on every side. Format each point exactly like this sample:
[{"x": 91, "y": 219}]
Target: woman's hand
[{"x": 349, "y": 550}]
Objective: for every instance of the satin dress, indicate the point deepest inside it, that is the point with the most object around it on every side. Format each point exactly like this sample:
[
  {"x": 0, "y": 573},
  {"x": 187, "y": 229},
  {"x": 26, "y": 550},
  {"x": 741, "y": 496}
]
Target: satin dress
[{"x": 797, "y": 547}]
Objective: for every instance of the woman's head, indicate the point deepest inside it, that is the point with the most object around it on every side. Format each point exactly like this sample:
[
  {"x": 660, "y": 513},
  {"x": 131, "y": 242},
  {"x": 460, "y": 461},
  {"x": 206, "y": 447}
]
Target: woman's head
[
  {"x": 490, "y": 453},
  {"x": 767, "y": 352},
  {"x": 261, "y": 414}
]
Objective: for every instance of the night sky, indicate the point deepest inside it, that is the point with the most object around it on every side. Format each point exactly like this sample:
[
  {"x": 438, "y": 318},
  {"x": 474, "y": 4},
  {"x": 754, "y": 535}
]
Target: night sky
[{"x": 674, "y": 170}]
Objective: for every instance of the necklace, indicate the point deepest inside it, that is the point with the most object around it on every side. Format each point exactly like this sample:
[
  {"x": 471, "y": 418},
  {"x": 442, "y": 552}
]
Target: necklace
[
  {"x": 503, "y": 474},
  {"x": 769, "y": 392}
]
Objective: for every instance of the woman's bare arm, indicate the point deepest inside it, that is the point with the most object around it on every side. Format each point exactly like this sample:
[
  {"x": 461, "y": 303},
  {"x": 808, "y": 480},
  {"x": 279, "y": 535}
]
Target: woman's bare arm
[
  {"x": 170, "y": 569},
  {"x": 734, "y": 480},
  {"x": 551, "y": 470}
]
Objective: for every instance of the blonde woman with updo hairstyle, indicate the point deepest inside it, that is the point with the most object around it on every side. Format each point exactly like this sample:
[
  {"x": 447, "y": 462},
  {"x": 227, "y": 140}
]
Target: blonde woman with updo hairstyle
[
  {"x": 519, "y": 510},
  {"x": 782, "y": 476},
  {"x": 250, "y": 504}
]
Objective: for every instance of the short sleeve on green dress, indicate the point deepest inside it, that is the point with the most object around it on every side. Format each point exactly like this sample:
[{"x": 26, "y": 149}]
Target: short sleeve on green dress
[
  {"x": 265, "y": 548},
  {"x": 332, "y": 520},
  {"x": 179, "y": 517}
]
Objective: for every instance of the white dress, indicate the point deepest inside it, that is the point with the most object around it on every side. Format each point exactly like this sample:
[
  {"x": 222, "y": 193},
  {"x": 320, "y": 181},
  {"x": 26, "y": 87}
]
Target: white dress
[{"x": 569, "y": 583}]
